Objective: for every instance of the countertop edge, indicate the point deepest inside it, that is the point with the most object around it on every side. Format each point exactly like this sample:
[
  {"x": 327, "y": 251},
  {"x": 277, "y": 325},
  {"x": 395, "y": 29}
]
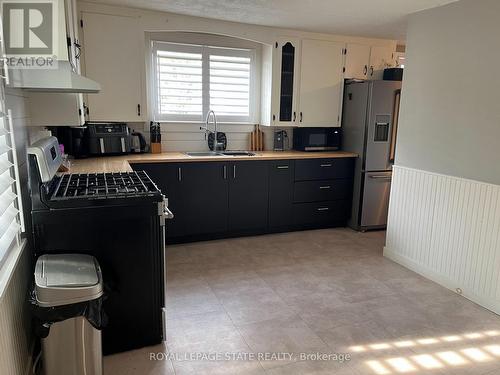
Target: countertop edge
[
  {"x": 123, "y": 163},
  {"x": 190, "y": 159}
]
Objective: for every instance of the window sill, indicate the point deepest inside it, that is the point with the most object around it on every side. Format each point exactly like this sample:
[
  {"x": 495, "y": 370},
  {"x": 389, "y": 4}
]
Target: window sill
[{"x": 9, "y": 266}]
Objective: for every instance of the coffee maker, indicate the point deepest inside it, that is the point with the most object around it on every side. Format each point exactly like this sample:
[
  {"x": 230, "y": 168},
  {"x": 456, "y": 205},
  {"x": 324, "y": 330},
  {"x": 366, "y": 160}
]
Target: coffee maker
[
  {"x": 74, "y": 139},
  {"x": 279, "y": 140}
]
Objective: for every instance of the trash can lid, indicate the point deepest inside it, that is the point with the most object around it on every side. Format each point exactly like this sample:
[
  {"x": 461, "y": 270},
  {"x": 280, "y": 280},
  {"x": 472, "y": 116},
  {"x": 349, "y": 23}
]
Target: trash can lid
[{"x": 65, "y": 279}]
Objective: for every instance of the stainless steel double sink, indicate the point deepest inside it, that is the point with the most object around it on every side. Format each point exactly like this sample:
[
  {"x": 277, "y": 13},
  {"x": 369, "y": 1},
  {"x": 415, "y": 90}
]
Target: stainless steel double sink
[{"x": 196, "y": 154}]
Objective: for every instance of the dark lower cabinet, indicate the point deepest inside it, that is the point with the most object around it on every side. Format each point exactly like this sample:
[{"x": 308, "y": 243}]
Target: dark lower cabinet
[
  {"x": 248, "y": 195},
  {"x": 216, "y": 199},
  {"x": 324, "y": 169},
  {"x": 322, "y": 190},
  {"x": 320, "y": 214},
  {"x": 203, "y": 208},
  {"x": 197, "y": 195},
  {"x": 166, "y": 177},
  {"x": 281, "y": 174}
]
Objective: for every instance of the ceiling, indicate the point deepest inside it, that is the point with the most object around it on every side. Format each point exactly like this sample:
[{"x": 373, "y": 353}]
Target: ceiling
[{"x": 369, "y": 18}]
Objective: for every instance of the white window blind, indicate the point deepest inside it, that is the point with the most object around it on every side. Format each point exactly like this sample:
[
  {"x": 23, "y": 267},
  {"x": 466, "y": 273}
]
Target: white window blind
[
  {"x": 190, "y": 80},
  {"x": 9, "y": 213},
  {"x": 179, "y": 77},
  {"x": 230, "y": 84}
]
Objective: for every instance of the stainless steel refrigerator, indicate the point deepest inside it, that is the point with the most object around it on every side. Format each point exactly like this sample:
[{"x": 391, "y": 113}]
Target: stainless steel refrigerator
[{"x": 369, "y": 124}]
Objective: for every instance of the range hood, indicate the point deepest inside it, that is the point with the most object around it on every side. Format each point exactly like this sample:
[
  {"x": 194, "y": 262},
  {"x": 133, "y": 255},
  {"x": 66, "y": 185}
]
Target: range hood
[{"x": 62, "y": 79}]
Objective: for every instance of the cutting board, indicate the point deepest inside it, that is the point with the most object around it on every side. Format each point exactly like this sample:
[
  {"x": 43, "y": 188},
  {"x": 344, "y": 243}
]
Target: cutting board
[{"x": 257, "y": 139}]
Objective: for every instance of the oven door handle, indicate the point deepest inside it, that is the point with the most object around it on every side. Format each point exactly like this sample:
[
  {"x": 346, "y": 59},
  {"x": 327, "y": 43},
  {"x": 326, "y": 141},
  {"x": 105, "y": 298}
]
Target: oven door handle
[{"x": 167, "y": 213}]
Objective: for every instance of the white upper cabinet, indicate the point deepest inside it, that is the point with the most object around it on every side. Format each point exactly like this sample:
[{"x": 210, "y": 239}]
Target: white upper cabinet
[
  {"x": 357, "y": 61},
  {"x": 113, "y": 56},
  {"x": 380, "y": 58},
  {"x": 367, "y": 62},
  {"x": 307, "y": 82},
  {"x": 55, "y": 109},
  {"x": 321, "y": 83},
  {"x": 286, "y": 73}
]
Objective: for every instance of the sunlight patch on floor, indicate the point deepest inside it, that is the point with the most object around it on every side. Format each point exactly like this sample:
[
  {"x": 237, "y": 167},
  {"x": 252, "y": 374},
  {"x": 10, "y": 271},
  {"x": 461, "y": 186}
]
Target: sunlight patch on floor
[
  {"x": 423, "y": 341},
  {"x": 468, "y": 355}
]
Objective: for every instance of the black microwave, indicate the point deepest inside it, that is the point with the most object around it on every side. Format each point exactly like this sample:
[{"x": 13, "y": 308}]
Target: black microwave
[{"x": 316, "y": 139}]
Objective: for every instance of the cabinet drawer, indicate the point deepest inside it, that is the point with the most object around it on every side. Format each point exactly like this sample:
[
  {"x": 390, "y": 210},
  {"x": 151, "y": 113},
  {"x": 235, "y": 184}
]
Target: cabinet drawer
[
  {"x": 281, "y": 168},
  {"x": 323, "y": 169},
  {"x": 320, "y": 213},
  {"x": 322, "y": 190}
]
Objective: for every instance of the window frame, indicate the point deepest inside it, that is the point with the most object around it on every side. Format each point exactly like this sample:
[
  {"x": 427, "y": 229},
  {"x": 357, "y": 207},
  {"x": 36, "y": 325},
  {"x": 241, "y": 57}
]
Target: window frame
[{"x": 206, "y": 51}]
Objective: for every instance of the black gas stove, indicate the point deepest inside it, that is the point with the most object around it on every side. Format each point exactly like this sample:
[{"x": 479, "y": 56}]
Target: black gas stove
[
  {"x": 101, "y": 185},
  {"x": 119, "y": 218}
]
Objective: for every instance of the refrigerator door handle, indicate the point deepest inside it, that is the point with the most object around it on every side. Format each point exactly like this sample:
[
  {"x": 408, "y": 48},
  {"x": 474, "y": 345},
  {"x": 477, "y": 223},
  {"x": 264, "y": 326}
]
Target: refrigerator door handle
[
  {"x": 395, "y": 123},
  {"x": 380, "y": 177}
]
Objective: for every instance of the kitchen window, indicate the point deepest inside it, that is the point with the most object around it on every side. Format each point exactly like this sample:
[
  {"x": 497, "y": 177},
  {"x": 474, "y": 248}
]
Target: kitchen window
[{"x": 190, "y": 80}]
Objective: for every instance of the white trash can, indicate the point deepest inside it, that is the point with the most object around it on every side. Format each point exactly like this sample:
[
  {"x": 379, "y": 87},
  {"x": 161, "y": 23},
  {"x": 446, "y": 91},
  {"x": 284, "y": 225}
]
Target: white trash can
[{"x": 68, "y": 291}]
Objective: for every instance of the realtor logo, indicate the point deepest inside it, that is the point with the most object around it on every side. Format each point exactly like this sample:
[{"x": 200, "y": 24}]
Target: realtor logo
[{"x": 29, "y": 29}]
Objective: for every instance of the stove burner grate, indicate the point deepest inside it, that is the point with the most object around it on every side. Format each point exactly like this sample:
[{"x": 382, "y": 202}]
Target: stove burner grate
[{"x": 105, "y": 185}]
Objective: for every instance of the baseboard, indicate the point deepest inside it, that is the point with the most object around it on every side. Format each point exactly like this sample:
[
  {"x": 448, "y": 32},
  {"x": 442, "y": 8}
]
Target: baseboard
[{"x": 442, "y": 280}]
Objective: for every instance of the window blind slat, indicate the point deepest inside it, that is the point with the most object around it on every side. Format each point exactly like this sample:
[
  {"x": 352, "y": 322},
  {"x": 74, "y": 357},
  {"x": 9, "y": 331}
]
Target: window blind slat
[
  {"x": 7, "y": 240},
  {"x": 5, "y": 163},
  {"x": 7, "y": 217},
  {"x": 232, "y": 59},
  {"x": 179, "y": 55},
  {"x": 6, "y": 199},
  {"x": 6, "y": 181},
  {"x": 4, "y": 147},
  {"x": 179, "y": 64}
]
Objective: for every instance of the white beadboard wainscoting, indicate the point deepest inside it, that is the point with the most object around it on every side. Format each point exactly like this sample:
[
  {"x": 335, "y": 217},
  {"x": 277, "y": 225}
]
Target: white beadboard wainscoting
[
  {"x": 15, "y": 339},
  {"x": 189, "y": 137},
  {"x": 447, "y": 229}
]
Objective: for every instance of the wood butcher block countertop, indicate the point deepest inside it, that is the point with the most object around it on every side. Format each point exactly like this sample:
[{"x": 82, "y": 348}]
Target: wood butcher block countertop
[{"x": 122, "y": 163}]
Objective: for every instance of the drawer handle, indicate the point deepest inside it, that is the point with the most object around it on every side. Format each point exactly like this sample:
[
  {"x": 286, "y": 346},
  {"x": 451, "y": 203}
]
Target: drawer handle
[
  {"x": 325, "y": 165},
  {"x": 325, "y": 187},
  {"x": 323, "y": 209},
  {"x": 282, "y": 166}
]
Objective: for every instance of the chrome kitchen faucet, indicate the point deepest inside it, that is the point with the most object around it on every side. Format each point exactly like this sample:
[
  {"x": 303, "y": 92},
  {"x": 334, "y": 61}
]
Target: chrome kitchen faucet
[{"x": 217, "y": 144}]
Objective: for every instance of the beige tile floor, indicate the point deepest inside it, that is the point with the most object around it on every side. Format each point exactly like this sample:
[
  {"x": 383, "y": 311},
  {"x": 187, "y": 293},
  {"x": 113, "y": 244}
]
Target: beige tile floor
[{"x": 324, "y": 291}]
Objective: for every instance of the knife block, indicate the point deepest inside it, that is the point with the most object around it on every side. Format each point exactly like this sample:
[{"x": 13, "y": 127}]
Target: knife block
[{"x": 155, "y": 148}]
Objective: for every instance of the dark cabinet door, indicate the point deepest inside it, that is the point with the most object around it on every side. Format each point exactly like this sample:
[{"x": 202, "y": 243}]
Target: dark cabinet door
[
  {"x": 248, "y": 195},
  {"x": 197, "y": 195},
  {"x": 281, "y": 174},
  {"x": 167, "y": 177},
  {"x": 205, "y": 197}
]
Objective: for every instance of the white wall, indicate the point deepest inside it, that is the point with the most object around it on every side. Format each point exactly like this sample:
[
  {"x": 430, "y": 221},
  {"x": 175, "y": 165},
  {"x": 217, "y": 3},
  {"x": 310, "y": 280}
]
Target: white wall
[
  {"x": 182, "y": 137},
  {"x": 15, "y": 337},
  {"x": 444, "y": 217},
  {"x": 450, "y": 112}
]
